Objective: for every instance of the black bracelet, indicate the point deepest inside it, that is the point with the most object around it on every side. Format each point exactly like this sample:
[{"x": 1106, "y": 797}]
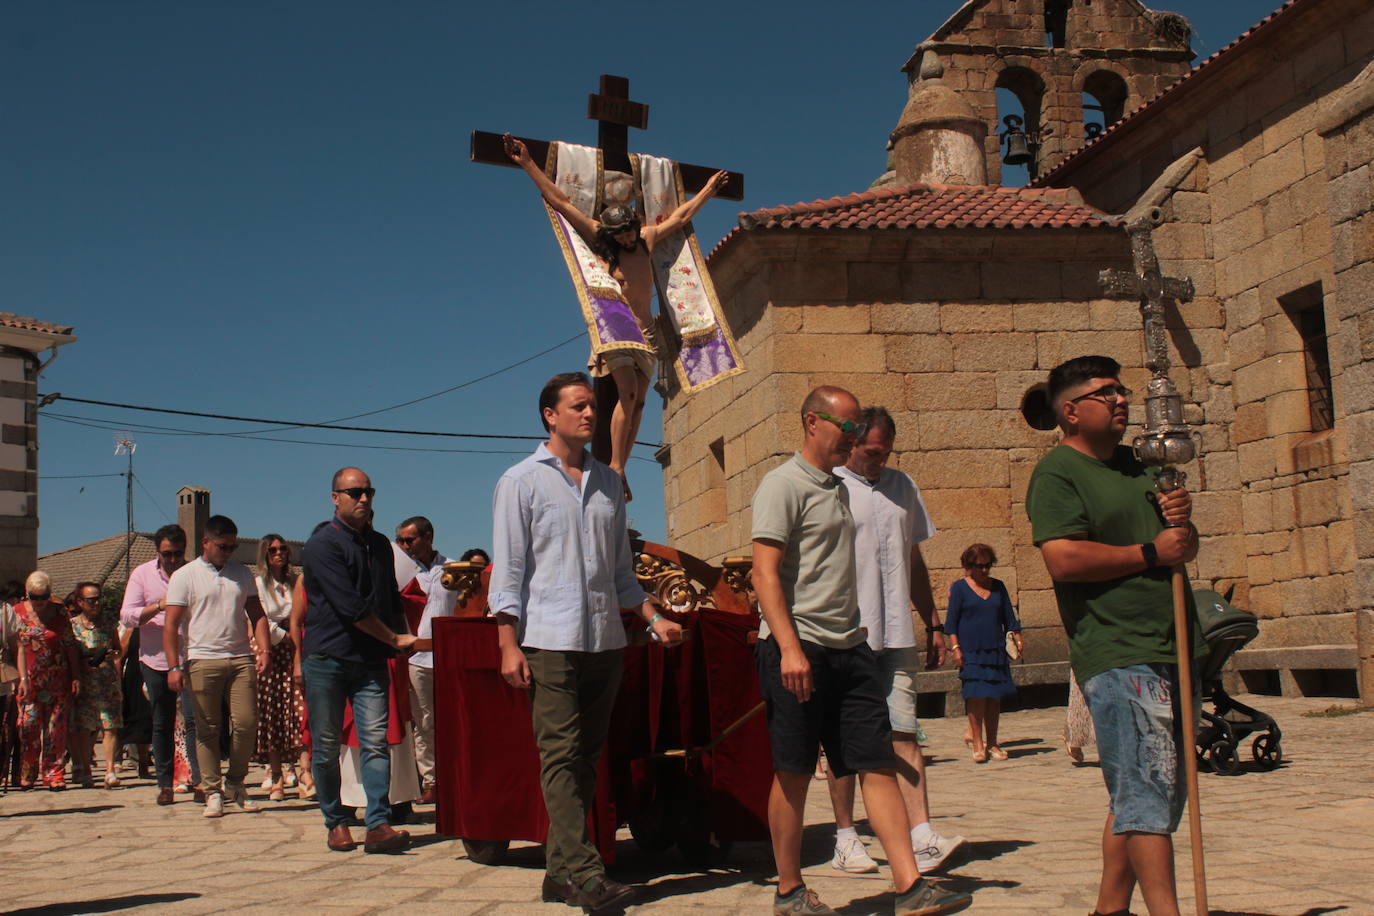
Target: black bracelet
[
  {"x": 1150, "y": 553},
  {"x": 937, "y": 628}
]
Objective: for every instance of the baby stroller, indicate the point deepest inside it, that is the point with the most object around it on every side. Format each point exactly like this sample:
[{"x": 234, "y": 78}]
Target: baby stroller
[{"x": 1225, "y": 630}]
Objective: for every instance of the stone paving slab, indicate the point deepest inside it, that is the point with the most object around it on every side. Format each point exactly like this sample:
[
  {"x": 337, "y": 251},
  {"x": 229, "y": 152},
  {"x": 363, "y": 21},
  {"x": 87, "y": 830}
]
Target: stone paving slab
[{"x": 1298, "y": 841}]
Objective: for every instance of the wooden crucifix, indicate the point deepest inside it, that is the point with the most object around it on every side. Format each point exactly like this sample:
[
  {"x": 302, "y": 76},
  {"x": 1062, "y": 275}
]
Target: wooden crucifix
[
  {"x": 702, "y": 346},
  {"x": 614, "y": 115}
]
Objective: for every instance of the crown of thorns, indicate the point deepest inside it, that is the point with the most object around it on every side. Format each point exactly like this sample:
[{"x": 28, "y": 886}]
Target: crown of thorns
[{"x": 618, "y": 218}]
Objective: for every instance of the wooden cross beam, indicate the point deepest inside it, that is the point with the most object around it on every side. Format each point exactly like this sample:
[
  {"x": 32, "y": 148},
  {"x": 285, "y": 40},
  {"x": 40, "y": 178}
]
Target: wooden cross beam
[
  {"x": 1150, "y": 288},
  {"x": 615, "y": 114}
]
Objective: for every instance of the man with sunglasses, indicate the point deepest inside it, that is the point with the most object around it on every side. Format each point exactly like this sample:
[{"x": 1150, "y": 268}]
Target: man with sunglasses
[
  {"x": 1099, "y": 521},
  {"x": 353, "y": 625},
  {"x": 217, "y": 597},
  {"x": 415, "y": 536},
  {"x": 817, "y": 674},
  {"x": 890, "y": 522},
  {"x": 145, "y": 608}
]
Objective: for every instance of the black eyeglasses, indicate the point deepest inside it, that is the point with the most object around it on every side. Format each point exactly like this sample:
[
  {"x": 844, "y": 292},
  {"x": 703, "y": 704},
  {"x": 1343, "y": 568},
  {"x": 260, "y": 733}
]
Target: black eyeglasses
[
  {"x": 356, "y": 493},
  {"x": 276, "y": 550},
  {"x": 1106, "y": 393},
  {"x": 848, "y": 427},
  {"x": 39, "y": 597},
  {"x": 406, "y": 542},
  {"x": 92, "y": 599}
]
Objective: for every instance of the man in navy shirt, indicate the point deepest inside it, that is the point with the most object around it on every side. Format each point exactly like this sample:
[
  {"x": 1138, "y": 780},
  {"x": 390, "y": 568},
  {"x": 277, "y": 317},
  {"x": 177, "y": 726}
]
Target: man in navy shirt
[{"x": 353, "y": 625}]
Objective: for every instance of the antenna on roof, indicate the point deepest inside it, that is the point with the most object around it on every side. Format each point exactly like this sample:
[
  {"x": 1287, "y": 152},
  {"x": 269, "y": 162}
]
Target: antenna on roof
[{"x": 125, "y": 445}]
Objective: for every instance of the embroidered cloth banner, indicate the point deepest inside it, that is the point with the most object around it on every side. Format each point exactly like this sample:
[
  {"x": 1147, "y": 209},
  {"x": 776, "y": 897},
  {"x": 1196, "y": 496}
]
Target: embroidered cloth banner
[{"x": 706, "y": 350}]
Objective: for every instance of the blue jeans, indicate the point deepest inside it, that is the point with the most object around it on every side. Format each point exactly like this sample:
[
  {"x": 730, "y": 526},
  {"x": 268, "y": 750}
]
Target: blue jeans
[
  {"x": 164, "y": 705},
  {"x": 1134, "y": 710},
  {"x": 328, "y": 682}
]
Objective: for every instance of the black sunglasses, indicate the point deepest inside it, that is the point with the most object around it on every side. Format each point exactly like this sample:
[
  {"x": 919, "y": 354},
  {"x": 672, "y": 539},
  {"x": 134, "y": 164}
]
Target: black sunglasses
[{"x": 356, "y": 493}]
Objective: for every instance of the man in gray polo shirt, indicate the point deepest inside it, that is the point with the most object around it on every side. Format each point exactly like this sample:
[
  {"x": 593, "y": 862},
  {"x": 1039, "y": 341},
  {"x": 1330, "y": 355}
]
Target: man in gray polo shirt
[{"x": 817, "y": 674}]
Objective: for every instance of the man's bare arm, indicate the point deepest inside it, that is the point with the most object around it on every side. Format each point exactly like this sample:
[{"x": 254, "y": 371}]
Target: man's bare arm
[
  {"x": 767, "y": 578},
  {"x": 924, "y": 602},
  {"x": 585, "y": 225},
  {"x": 685, "y": 211}
]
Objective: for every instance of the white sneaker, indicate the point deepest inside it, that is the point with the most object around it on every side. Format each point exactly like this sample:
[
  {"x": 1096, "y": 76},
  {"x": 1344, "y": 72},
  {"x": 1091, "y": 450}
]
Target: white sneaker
[
  {"x": 936, "y": 855},
  {"x": 239, "y": 796},
  {"x": 267, "y": 782},
  {"x": 851, "y": 857},
  {"x": 214, "y": 805}
]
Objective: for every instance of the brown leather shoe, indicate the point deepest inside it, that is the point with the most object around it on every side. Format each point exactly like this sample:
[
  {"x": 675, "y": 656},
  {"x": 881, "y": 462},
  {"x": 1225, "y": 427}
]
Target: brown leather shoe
[
  {"x": 426, "y": 797},
  {"x": 605, "y": 894},
  {"x": 555, "y": 891},
  {"x": 340, "y": 839},
  {"x": 385, "y": 839},
  {"x": 164, "y": 796}
]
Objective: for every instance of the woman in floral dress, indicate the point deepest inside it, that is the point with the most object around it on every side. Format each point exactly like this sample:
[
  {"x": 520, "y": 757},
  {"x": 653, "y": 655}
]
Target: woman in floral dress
[
  {"x": 100, "y": 704},
  {"x": 279, "y": 700},
  {"x": 48, "y": 667}
]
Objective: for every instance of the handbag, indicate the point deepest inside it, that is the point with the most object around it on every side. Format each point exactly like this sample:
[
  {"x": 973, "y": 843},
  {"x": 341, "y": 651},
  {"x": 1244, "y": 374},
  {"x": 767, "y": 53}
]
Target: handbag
[{"x": 1012, "y": 652}]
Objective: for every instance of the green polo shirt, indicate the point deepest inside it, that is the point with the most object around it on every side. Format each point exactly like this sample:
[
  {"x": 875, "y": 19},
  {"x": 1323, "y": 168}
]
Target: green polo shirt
[
  {"x": 807, "y": 510},
  {"x": 1118, "y": 622}
]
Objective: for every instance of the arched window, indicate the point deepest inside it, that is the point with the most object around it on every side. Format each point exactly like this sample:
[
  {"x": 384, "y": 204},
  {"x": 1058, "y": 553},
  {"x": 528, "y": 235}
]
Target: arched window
[
  {"x": 1019, "y": 93},
  {"x": 1104, "y": 101},
  {"x": 1056, "y": 22}
]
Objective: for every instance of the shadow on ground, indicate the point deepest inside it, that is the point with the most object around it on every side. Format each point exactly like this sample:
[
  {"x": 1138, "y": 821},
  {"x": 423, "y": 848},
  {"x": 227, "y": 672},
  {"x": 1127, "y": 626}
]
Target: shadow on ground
[
  {"x": 88, "y": 809},
  {"x": 103, "y": 905}
]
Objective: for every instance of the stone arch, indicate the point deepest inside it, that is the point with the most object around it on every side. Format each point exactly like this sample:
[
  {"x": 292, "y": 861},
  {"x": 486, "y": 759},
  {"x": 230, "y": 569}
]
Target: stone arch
[
  {"x": 1107, "y": 89},
  {"x": 1020, "y": 90}
]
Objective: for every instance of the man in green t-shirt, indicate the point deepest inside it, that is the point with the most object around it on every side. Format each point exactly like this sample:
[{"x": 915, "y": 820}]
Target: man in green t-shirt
[{"x": 1099, "y": 522}]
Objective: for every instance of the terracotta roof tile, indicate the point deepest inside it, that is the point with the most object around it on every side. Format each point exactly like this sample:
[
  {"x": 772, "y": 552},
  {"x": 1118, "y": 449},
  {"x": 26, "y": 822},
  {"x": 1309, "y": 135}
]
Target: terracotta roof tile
[
  {"x": 1151, "y": 104},
  {"x": 11, "y": 320},
  {"x": 931, "y": 206}
]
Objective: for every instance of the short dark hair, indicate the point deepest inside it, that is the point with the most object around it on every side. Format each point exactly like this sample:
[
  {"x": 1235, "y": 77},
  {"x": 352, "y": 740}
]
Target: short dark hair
[
  {"x": 879, "y": 418},
  {"x": 220, "y": 526},
  {"x": 87, "y": 583},
  {"x": 973, "y": 551},
  {"x": 174, "y": 533},
  {"x": 423, "y": 527},
  {"x": 1076, "y": 371},
  {"x": 548, "y": 396},
  {"x": 475, "y": 552}
]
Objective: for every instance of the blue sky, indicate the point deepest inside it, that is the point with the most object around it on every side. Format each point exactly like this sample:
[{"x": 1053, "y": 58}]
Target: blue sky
[{"x": 266, "y": 210}]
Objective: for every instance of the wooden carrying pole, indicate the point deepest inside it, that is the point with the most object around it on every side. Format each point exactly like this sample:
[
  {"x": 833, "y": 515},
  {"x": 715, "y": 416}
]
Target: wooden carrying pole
[{"x": 1187, "y": 735}]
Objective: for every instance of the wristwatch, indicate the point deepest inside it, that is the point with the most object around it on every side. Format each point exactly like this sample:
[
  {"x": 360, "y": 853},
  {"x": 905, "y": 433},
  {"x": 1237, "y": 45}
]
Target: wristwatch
[{"x": 1150, "y": 553}]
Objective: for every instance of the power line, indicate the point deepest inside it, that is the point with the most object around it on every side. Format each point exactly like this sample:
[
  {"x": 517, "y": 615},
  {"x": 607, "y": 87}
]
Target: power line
[
  {"x": 94, "y": 423},
  {"x": 156, "y": 505},
  {"x": 75, "y": 476}
]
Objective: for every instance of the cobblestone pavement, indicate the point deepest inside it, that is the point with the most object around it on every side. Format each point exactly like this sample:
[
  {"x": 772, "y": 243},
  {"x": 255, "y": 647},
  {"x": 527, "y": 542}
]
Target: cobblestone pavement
[{"x": 1298, "y": 840}]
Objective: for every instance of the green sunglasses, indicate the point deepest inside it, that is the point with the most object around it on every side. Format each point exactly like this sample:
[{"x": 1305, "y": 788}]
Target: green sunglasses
[{"x": 848, "y": 427}]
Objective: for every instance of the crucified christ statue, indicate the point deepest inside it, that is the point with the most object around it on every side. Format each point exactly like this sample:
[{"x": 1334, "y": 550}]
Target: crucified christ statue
[{"x": 618, "y": 239}]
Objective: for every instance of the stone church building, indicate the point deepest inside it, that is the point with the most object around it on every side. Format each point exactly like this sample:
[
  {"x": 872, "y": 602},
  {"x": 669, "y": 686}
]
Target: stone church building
[{"x": 946, "y": 297}]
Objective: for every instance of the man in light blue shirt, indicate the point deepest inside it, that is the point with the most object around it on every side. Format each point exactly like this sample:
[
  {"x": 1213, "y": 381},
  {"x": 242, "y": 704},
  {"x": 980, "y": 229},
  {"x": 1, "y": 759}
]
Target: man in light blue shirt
[{"x": 561, "y": 573}]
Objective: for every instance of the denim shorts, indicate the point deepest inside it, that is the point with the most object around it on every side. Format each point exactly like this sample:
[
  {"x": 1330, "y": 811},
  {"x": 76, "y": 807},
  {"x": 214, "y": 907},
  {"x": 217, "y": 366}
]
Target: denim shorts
[
  {"x": 898, "y": 669},
  {"x": 1134, "y": 710}
]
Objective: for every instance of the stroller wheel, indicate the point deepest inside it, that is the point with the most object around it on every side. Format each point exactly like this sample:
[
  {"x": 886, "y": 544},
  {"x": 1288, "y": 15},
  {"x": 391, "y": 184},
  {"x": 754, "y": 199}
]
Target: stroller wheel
[
  {"x": 1224, "y": 759},
  {"x": 1268, "y": 752}
]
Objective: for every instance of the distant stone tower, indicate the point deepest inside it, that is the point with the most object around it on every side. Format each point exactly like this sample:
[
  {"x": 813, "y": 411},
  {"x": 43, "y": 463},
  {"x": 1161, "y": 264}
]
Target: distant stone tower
[
  {"x": 193, "y": 510},
  {"x": 1046, "y": 52},
  {"x": 939, "y": 137}
]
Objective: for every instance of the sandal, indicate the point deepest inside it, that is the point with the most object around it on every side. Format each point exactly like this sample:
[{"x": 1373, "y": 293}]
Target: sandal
[
  {"x": 112, "y": 780},
  {"x": 996, "y": 753},
  {"x": 306, "y": 790},
  {"x": 980, "y": 756}
]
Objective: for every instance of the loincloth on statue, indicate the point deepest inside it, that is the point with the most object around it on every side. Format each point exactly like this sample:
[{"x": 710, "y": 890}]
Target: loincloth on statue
[{"x": 604, "y": 363}]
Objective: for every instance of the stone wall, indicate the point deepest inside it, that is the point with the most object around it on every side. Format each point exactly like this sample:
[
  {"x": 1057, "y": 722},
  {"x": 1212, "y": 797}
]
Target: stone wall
[
  {"x": 1256, "y": 221},
  {"x": 18, "y": 464},
  {"x": 1348, "y": 132},
  {"x": 948, "y": 331}
]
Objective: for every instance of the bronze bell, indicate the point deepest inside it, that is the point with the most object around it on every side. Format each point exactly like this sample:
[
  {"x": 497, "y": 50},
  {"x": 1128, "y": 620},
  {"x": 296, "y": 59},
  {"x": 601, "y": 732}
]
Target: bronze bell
[{"x": 1018, "y": 149}]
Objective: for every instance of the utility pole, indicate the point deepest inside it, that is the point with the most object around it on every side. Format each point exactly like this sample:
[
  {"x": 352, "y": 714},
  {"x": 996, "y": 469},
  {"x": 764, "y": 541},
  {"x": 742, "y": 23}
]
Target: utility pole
[{"x": 125, "y": 445}]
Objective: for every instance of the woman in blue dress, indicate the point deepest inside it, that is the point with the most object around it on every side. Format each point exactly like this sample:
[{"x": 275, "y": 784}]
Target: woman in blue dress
[{"x": 976, "y": 626}]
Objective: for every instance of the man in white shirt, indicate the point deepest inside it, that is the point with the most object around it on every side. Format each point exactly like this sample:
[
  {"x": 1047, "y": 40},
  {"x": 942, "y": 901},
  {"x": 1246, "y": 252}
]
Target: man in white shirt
[
  {"x": 561, "y": 573},
  {"x": 890, "y": 522},
  {"x": 218, "y": 598},
  {"x": 415, "y": 536}
]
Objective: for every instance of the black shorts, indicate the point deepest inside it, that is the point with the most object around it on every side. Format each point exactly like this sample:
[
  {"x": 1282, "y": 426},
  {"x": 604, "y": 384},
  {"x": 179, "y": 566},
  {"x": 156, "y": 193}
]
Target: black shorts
[{"x": 847, "y": 712}]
